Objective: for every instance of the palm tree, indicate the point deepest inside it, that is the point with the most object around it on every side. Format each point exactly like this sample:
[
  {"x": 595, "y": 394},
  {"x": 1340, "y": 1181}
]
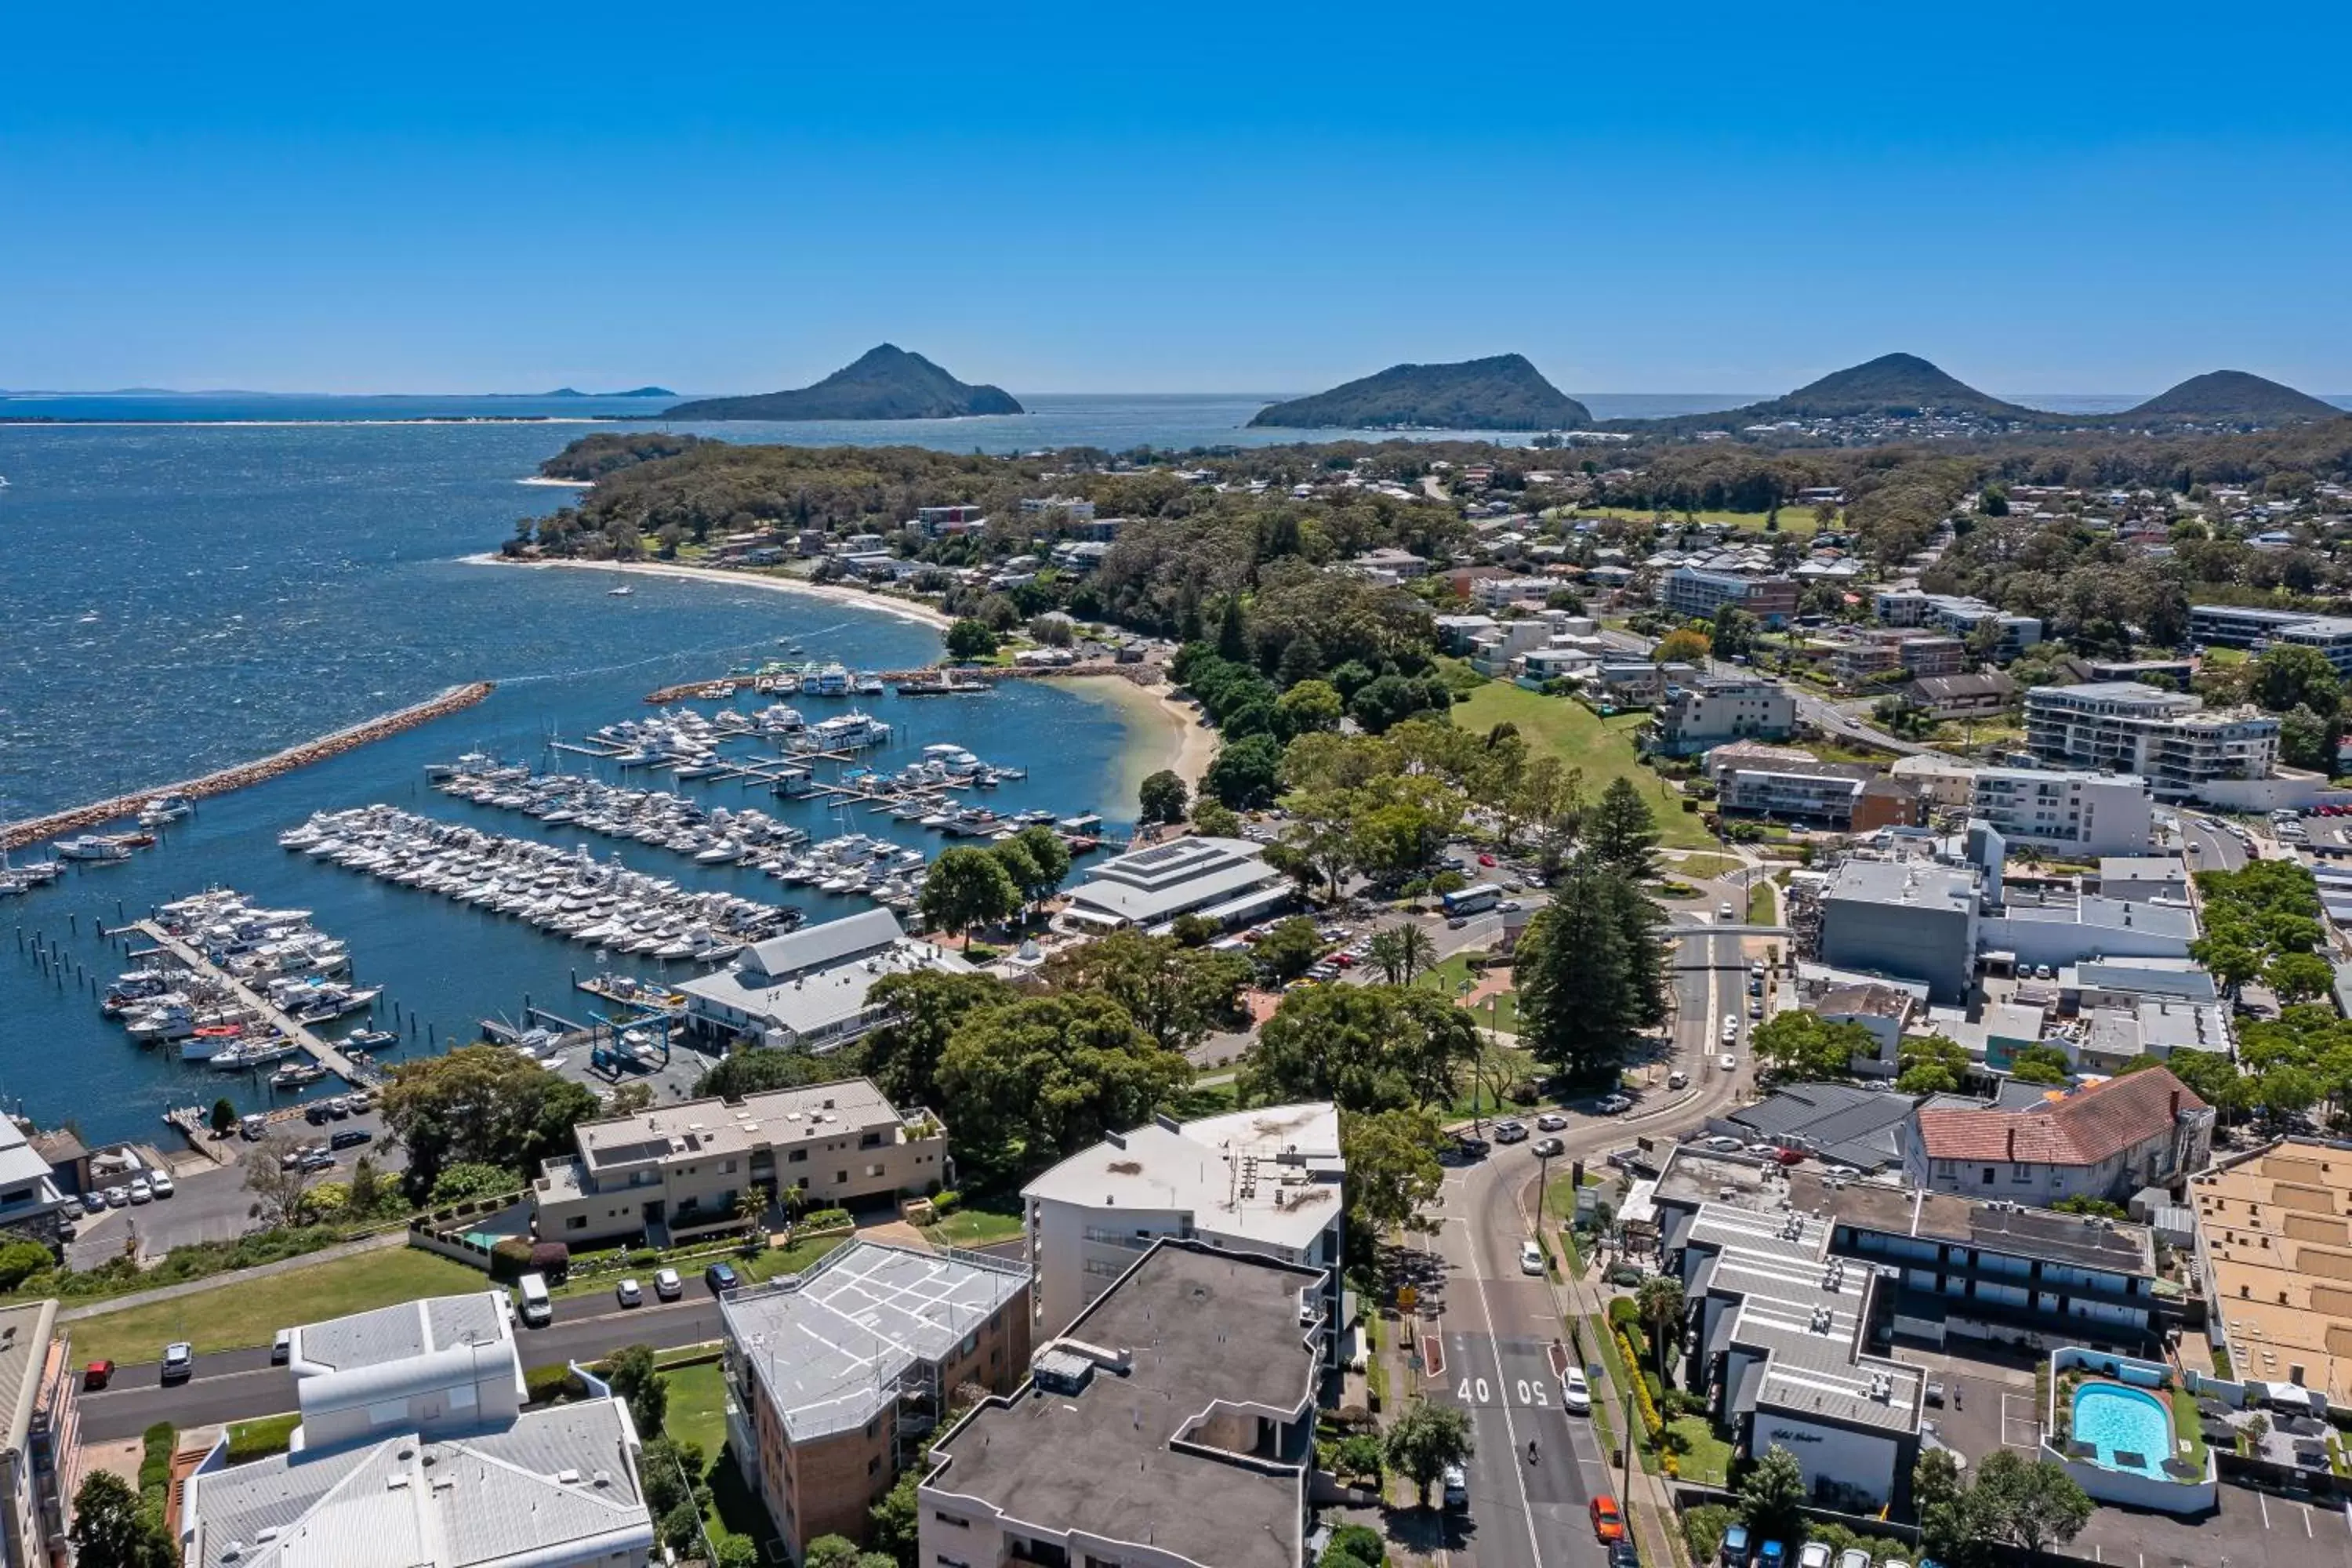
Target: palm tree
[
  {"x": 1386, "y": 953},
  {"x": 1416, "y": 949},
  {"x": 1660, "y": 1304}
]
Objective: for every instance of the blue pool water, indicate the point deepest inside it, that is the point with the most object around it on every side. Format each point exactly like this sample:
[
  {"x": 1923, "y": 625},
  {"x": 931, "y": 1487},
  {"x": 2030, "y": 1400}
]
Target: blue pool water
[{"x": 2118, "y": 1420}]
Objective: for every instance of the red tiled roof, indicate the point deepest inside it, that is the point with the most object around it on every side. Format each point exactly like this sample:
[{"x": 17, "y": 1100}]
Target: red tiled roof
[{"x": 2081, "y": 1128}]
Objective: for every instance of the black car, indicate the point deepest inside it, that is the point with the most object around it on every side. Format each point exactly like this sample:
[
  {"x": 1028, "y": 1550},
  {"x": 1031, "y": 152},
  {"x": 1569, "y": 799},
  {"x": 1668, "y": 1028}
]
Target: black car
[
  {"x": 350, "y": 1138},
  {"x": 1625, "y": 1554},
  {"x": 721, "y": 1277}
]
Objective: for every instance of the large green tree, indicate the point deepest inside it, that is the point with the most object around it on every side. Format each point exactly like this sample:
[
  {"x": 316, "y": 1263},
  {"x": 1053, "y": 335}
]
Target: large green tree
[
  {"x": 1394, "y": 1177},
  {"x": 1592, "y": 974},
  {"x": 1620, "y": 832},
  {"x": 1800, "y": 1043},
  {"x": 111, "y": 1529},
  {"x": 1365, "y": 1048},
  {"x": 1044, "y": 1077},
  {"x": 483, "y": 1104},
  {"x": 2028, "y": 1504},
  {"x": 1426, "y": 1438},
  {"x": 1162, "y": 797},
  {"x": 1178, "y": 993},
  {"x": 1772, "y": 1496},
  {"x": 926, "y": 1006},
  {"x": 968, "y": 888}
]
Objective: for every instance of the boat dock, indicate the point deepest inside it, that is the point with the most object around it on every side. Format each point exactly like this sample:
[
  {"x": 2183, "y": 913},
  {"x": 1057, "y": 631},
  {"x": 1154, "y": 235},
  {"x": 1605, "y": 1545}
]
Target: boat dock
[
  {"x": 938, "y": 678},
  {"x": 317, "y": 1049},
  {"x": 15, "y": 834}
]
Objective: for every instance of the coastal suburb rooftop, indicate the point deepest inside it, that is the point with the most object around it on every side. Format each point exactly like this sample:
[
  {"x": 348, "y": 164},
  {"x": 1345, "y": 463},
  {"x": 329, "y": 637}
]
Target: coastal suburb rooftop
[
  {"x": 1222, "y": 879},
  {"x": 832, "y": 1344},
  {"x": 1147, "y": 1427},
  {"x": 2276, "y": 1234},
  {"x": 1200, "y": 1168},
  {"x": 774, "y": 1119}
]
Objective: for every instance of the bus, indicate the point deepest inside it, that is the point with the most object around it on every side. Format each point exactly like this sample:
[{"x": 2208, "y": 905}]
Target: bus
[{"x": 1470, "y": 900}]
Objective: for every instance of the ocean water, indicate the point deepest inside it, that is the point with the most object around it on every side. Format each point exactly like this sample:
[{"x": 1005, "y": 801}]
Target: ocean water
[{"x": 182, "y": 598}]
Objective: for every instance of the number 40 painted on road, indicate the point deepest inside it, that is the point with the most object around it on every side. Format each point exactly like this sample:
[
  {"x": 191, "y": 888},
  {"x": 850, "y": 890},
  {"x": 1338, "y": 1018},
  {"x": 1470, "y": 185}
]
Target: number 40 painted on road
[{"x": 1477, "y": 1391}]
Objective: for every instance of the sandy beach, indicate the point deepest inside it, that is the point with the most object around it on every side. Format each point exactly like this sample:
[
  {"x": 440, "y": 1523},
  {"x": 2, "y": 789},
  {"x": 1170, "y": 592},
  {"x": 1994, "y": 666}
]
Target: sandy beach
[
  {"x": 1167, "y": 733},
  {"x": 921, "y": 614}
]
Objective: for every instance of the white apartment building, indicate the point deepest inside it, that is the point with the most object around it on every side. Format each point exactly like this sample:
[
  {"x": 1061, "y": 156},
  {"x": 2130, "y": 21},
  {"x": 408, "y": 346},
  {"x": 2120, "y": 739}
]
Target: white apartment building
[
  {"x": 2165, "y": 736},
  {"x": 2237, "y": 625},
  {"x": 1713, "y": 709},
  {"x": 1958, "y": 615},
  {"x": 2074, "y": 812},
  {"x": 1266, "y": 1182}
]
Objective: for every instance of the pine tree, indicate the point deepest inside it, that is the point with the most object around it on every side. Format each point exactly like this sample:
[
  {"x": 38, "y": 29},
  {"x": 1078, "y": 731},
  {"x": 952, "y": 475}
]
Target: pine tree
[
  {"x": 1622, "y": 831},
  {"x": 1233, "y": 632}
]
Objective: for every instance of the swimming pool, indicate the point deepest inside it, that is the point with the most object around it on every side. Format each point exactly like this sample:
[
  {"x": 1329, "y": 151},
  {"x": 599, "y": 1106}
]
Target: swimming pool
[{"x": 2130, "y": 1427}]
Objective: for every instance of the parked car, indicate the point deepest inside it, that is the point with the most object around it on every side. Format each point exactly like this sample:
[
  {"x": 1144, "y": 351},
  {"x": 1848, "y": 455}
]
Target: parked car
[
  {"x": 1550, "y": 1148},
  {"x": 72, "y": 1209},
  {"x": 179, "y": 1362},
  {"x": 1725, "y": 1145},
  {"x": 1458, "y": 1487},
  {"x": 158, "y": 1183},
  {"x": 1531, "y": 1258},
  {"x": 668, "y": 1287},
  {"x": 349, "y": 1138},
  {"x": 98, "y": 1375},
  {"x": 1613, "y": 1104},
  {"x": 253, "y": 1127},
  {"x": 1510, "y": 1133},
  {"x": 1608, "y": 1523},
  {"x": 281, "y": 1349},
  {"x": 317, "y": 1159},
  {"x": 721, "y": 1277},
  {"x": 1625, "y": 1554},
  {"x": 140, "y": 1193},
  {"x": 1814, "y": 1554},
  {"x": 119, "y": 1197},
  {"x": 1678, "y": 1079},
  {"x": 629, "y": 1293},
  {"x": 1853, "y": 1557},
  {"x": 1575, "y": 1394}
]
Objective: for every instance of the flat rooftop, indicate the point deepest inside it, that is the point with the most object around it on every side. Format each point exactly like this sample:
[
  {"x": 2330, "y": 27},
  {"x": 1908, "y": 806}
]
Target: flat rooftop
[
  {"x": 401, "y": 1333},
  {"x": 1910, "y": 883},
  {"x": 780, "y": 1116},
  {"x": 831, "y": 1345},
  {"x": 1271, "y": 1175},
  {"x": 2278, "y": 1231},
  {"x": 1142, "y": 1457}
]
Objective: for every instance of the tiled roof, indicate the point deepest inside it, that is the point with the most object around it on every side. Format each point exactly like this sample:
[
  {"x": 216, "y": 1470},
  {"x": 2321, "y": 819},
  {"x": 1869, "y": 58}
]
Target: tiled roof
[{"x": 2080, "y": 1129}]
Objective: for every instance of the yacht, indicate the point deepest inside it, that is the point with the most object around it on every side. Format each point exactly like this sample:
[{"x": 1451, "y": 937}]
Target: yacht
[
  {"x": 93, "y": 847},
  {"x": 622, "y": 591},
  {"x": 833, "y": 680}
]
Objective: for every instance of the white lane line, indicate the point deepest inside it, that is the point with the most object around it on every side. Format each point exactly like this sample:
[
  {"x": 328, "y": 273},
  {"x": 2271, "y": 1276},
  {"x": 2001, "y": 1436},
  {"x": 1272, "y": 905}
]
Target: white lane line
[
  {"x": 2265, "y": 1508},
  {"x": 1510, "y": 1428}
]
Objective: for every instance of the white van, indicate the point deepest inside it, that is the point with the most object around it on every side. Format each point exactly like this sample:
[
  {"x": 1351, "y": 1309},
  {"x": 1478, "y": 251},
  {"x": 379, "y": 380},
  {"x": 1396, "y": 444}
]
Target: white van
[{"x": 538, "y": 1309}]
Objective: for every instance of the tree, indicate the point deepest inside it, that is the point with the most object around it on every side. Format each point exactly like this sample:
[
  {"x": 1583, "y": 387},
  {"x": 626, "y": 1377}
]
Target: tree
[
  {"x": 1803, "y": 1045},
  {"x": 1401, "y": 951},
  {"x": 1164, "y": 797},
  {"x": 1216, "y": 819},
  {"x": 2298, "y": 976},
  {"x": 1354, "y": 1546},
  {"x": 1733, "y": 632},
  {"x": 641, "y": 1386},
  {"x": 925, "y": 1008},
  {"x": 672, "y": 1472},
  {"x": 760, "y": 1070},
  {"x": 1302, "y": 660},
  {"x": 224, "y": 1118},
  {"x": 967, "y": 888},
  {"x": 275, "y": 1175},
  {"x": 1233, "y": 632},
  {"x": 1287, "y": 951},
  {"x": 2028, "y": 1504},
  {"x": 1043, "y": 1076},
  {"x": 468, "y": 1180},
  {"x": 1178, "y": 993},
  {"x": 2307, "y": 740},
  {"x": 1311, "y": 707},
  {"x": 1246, "y": 773},
  {"x": 1660, "y": 1305},
  {"x": 1772, "y": 1497},
  {"x": 368, "y": 1192},
  {"x": 2296, "y": 675},
  {"x": 1684, "y": 645},
  {"x": 1620, "y": 831},
  {"x": 1939, "y": 1497},
  {"x": 1931, "y": 1065},
  {"x": 483, "y": 1104},
  {"x": 1044, "y": 864},
  {"x": 112, "y": 1530},
  {"x": 894, "y": 1524},
  {"x": 1367, "y": 1048},
  {"x": 969, "y": 638},
  {"x": 1592, "y": 974},
  {"x": 2040, "y": 1064},
  {"x": 830, "y": 1551},
  {"x": 1426, "y": 1439},
  {"x": 1392, "y": 1169}
]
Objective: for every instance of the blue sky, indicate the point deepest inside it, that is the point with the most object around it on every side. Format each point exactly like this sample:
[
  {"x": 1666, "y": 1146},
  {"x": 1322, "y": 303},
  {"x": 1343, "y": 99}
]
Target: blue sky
[{"x": 2078, "y": 196}]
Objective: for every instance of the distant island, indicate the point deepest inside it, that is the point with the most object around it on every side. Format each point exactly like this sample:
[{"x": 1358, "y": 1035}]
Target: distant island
[
  {"x": 2233, "y": 397},
  {"x": 1504, "y": 392},
  {"x": 886, "y": 383},
  {"x": 575, "y": 391}
]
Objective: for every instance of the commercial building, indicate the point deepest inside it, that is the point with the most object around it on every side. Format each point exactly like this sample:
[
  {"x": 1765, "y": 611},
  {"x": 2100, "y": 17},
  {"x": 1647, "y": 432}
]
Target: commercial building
[
  {"x": 837, "y": 1377},
  {"x": 1172, "y": 1426},
  {"x": 2165, "y": 736},
  {"x": 1846, "y": 797},
  {"x": 1693, "y": 716},
  {"x": 2056, "y": 928},
  {"x": 2072, "y": 812},
  {"x": 2275, "y": 1250},
  {"x": 2143, "y": 877},
  {"x": 1690, "y": 592},
  {"x": 1225, "y": 880},
  {"x": 30, "y": 1199},
  {"x": 673, "y": 1171},
  {"x": 1268, "y": 1181},
  {"x": 1868, "y": 655},
  {"x": 1960, "y": 615},
  {"x": 1910, "y": 920},
  {"x": 415, "y": 1450},
  {"x": 2108, "y": 1140},
  {"x": 1838, "y": 1123},
  {"x": 40, "y": 1468},
  {"x": 806, "y": 990}
]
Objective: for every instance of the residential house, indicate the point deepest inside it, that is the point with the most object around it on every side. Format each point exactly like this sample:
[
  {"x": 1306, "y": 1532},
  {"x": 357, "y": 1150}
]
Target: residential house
[
  {"x": 2108, "y": 1140},
  {"x": 1945, "y": 697}
]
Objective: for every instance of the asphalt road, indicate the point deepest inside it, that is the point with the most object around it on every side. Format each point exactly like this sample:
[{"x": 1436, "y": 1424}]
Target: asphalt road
[{"x": 2209, "y": 849}]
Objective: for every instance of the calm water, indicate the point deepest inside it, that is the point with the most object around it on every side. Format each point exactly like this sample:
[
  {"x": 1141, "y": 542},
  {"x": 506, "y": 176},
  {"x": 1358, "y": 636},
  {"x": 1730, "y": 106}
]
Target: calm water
[{"x": 181, "y": 597}]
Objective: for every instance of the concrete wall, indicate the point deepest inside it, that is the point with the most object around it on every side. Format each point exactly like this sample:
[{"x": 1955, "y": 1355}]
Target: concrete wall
[
  {"x": 1837, "y": 1454},
  {"x": 1933, "y": 947}
]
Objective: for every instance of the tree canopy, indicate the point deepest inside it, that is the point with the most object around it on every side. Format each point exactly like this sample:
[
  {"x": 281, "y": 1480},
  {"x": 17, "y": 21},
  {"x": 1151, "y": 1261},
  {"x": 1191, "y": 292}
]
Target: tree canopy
[{"x": 483, "y": 1104}]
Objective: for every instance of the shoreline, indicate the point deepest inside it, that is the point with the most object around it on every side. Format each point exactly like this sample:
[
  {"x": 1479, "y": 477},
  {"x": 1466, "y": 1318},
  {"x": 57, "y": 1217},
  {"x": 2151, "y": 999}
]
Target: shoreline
[
  {"x": 904, "y": 609},
  {"x": 1182, "y": 745}
]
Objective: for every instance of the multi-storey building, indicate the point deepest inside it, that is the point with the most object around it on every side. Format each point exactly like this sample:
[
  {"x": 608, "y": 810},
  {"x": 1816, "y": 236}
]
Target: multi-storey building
[
  {"x": 1268, "y": 1182},
  {"x": 806, "y": 990},
  {"x": 1693, "y": 716},
  {"x": 1691, "y": 592},
  {"x": 2166, "y": 737},
  {"x": 1960, "y": 615},
  {"x": 675, "y": 1170},
  {"x": 2108, "y": 1140},
  {"x": 836, "y": 1377},
  {"x": 2076, "y": 813},
  {"x": 2235, "y": 625},
  {"x": 1846, "y": 797},
  {"x": 1906, "y": 920},
  {"x": 40, "y": 1464},
  {"x": 1173, "y": 1425}
]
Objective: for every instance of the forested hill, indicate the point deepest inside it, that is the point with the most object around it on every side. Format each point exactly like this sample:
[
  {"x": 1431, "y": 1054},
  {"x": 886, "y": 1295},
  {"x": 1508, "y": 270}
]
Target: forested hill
[
  {"x": 2232, "y": 396},
  {"x": 1505, "y": 393},
  {"x": 886, "y": 383},
  {"x": 1889, "y": 383}
]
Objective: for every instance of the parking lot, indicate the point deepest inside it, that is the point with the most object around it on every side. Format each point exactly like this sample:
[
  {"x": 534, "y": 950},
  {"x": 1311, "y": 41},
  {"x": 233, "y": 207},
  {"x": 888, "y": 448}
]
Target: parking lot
[
  {"x": 2251, "y": 1530},
  {"x": 1988, "y": 1395}
]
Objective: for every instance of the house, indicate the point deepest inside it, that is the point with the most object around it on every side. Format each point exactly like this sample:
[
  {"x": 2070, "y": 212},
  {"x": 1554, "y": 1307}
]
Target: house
[
  {"x": 1173, "y": 1425},
  {"x": 1960, "y": 696},
  {"x": 41, "y": 1463},
  {"x": 414, "y": 1448},
  {"x": 1693, "y": 716},
  {"x": 1397, "y": 565},
  {"x": 939, "y": 521},
  {"x": 1455, "y": 634},
  {"x": 1845, "y": 797},
  {"x": 1635, "y": 682},
  {"x": 2108, "y": 1140},
  {"x": 1838, "y": 1123},
  {"x": 2165, "y": 736},
  {"x": 1268, "y": 1181},
  {"x": 1225, "y": 880},
  {"x": 837, "y": 1376},
  {"x": 686, "y": 1168},
  {"x": 806, "y": 990},
  {"x": 1079, "y": 556},
  {"x": 1884, "y": 1010},
  {"x": 2069, "y": 812},
  {"x": 1946, "y": 782}
]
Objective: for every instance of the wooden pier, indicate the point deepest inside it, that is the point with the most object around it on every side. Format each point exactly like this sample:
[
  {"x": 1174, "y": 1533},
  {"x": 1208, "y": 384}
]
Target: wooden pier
[{"x": 319, "y": 1050}]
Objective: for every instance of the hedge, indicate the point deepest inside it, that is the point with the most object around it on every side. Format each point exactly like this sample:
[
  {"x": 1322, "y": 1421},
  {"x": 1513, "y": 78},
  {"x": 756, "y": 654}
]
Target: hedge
[
  {"x": 545, "y": 1385},
  {"x": 1642, "y": 1399}
]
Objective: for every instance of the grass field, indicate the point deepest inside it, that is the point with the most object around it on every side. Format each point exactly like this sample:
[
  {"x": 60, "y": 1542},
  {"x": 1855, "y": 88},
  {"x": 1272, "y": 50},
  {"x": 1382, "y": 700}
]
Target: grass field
[
  {"x": 1794, "y": 519},
  {"x": 1602, "y": 748},
  {"x": 1760, "y": 907},
  {"x": 1699, "y": 867},
  {"x": 975, "y": 1222},
  {"x": 698, "y": 1406},
  {"x": 250, "y": 1311},
  {"x": 1453, "y": 977}
]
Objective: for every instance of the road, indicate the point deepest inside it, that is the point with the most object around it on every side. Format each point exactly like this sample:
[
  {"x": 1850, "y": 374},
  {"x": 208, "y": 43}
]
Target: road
[
  {"x": 1816, "y": 710},
  {"x": 1497, "y": 1327},
  {"x": 2210, "y": 849}
]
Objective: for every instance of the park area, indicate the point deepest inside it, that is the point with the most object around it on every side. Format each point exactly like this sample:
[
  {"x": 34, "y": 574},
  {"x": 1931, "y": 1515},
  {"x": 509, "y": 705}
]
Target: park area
[
  {"x": 249, "y": 1310},
  {"x": 1602, "y": 748}
]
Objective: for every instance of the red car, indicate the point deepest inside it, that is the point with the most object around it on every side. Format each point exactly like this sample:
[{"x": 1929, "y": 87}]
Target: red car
[
  {"x": 98, "y": 1375},
  {"x": 1790, "y": 1156},
  {"x": 1486, "y": 859},
  {"x": 1608, "y": 1525}
]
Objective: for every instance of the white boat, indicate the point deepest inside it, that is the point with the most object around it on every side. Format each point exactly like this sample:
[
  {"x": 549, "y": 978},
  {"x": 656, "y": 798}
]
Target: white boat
[
  {"x": 92, "y": 847},
  {"x": 622, "y": 592}
]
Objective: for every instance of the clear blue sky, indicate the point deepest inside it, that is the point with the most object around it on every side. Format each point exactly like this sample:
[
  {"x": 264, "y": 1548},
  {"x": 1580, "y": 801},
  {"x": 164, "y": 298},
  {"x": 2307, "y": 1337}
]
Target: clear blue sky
[{"x": 2065, "y": 195}]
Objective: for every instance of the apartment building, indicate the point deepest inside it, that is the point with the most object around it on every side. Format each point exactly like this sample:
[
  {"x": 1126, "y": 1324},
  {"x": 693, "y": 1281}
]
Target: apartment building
[
  {"x": 415, "y": 1449},
  {"x": 936, "y": 521},
  {"x": 1906, "y": 920},
  {"x": 2274, "y": 1232},
  {"x": 2073, "y": 812},
  {"x": 1268, "y": 1182},
  {"x": 1693, "y": 716},
  {"x": 2108, "y": 1140},
  {"x": 1960, "y": 696},
  {"x": 1960, "y": 615},
  {"x": 1691, "y": 592},
  {"x": 837, "y": 1377},
  {"x": 2165, "y": 736},
  {"x": 1872, "y": 654},
  {"x": 673, "y": 1171},
  {"x": 806, "y": 990},
  {"x": 1846, "y": 797},
  {"x": 40, "y": 1466},
  {"x": 1172, "y": 1426},
  {"x": 2232, "y": 625}
]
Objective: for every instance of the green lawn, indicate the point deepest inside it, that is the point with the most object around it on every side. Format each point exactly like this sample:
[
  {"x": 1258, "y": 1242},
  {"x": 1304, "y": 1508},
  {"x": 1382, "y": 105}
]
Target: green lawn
[
  {"x": 1700, "y": 867},
  {"x": 698, "y": 1406},
  {"x": 1453, "y": 976},
  {"x": 2186, "y": 1425},
  {"x": 1760, "y": 909},
  {"x": 1601, "y": 748},
  {"x": 975, "y": 1222},
  {"x": 788, "y": 1259},
  {"x": 1706, "y": 1460},
  {"x": 1794, "y": 519},
  {"x": 260, "y": 1437},
  {"x": 245, "y": 1312}
]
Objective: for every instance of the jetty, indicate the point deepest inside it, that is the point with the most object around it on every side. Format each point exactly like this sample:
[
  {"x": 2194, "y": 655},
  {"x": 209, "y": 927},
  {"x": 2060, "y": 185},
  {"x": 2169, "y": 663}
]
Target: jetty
[
  {"x": 310, "y": 1044},
  {"x": 932, "y": 680},
  {"x": 17, "y": 835}
]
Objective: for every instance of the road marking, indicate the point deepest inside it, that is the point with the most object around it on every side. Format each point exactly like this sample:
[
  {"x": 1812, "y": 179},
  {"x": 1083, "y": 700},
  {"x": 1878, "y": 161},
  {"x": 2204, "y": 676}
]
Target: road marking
[
  {"x": 1433, "y": 1356},
  {"x": 2266, "y": 1507},
  {"x": 1510, "y": 1428}
]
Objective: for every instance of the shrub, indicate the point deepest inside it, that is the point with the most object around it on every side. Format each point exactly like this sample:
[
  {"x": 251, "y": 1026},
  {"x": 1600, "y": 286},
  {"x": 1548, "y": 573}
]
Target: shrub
[
  {"x": 468, "y": 1181},
  {"x": 545, "y": 1385},
  {"x": 510, "y": 1260},
  {"x": 827, "y": 1219},
  {"x": 1359, "y": 1543},
  {"x": 944, "y": 1201},
  {"x": 1622, "y": 1313},
  {"x": 1703, "y": 1529},
  {"x": 20, "y": 1260},
  {"x": 552, "y": 1258},
  {"x": 155, "y": 1456},
  {"x": 1644, "y": 1400},
  {"x": 1680, "y": 1402}
]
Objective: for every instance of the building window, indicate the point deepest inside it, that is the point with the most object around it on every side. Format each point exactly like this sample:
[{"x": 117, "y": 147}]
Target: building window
[
  {"x": 873, "y": 1465},
  {"x": 950, "y": 1518},
  {"x": 1988, "y": 1175},
  {"x": 797, "y": 1157},
  {"x": 576, "y": 1222},
  {"x": 873, "y": 1170},
  {"x": 2021, "y": 1174}
]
